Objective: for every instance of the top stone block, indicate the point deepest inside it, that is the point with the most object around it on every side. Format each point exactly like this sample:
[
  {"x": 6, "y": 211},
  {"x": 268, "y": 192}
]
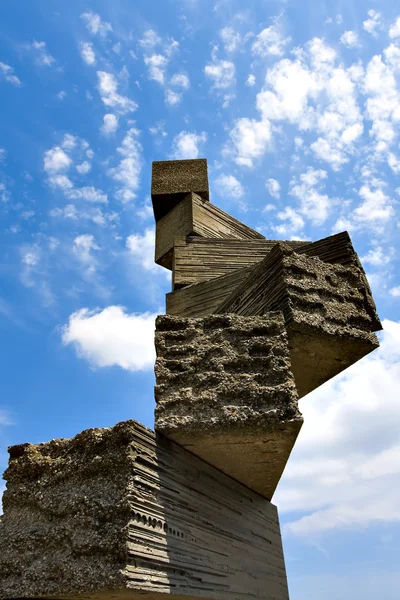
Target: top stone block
[{"x": 172, "y": 180}]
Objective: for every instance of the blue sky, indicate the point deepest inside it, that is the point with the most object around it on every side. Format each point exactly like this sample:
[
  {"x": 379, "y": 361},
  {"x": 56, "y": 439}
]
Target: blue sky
[{"x": 296, "y": 106}]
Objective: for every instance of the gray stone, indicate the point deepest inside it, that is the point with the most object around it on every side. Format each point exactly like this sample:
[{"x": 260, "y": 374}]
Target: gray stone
[
  {"x": 172, "y": 180},
  {"x": 225, "y": 391},
  {"x": 123, "y": 513},
  {"x": 328, "y": 308}
]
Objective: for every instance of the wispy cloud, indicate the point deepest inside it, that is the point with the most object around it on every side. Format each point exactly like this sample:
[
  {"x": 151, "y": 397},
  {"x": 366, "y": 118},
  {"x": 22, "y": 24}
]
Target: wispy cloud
[
  {"x": 96, "y": 25},
  {"x": 7, "y": 73}
]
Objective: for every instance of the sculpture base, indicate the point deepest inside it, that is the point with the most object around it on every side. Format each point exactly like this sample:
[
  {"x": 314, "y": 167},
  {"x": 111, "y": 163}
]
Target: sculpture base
[{"x": 125, "y": 513}]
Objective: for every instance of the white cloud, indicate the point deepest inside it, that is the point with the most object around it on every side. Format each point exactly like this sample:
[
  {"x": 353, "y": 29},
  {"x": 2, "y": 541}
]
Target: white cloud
[
  {"x": 141, "y": 250},
  {"x": 221, "y": 73},
  {"x": 376, "y": 208},
  {"x": 83, "y": 247},
  {"x": 373, "y": 22},
  {"x": 378, "y": 256},
  {"x": 350, "y": 39},
  {"x": 394, "y": 163},
  {"x": 88, "y": 193},
  {"x": 230, "y": 38},
  {"x": 229, "y": 187},
  {"x": 251, "y": 80},
  {"x": 346, "y": 458},
  {"x": 172, "y": 98},
  {"x": 61, "y": 181},
  {"x": 69, "y": 142},
  {"x": 68, "y": 212},
  {"x": 395, "y": 291},
  {"x": 270, "y": 42},
  {"x": 110, "y": 124},
  {"x": 112, "y": 337},
  {"x": 95, "y": 24},
  {"x": 84, "y": 167},
  {"x": 127, "y": 173},
  {"x": 42, "y": 57},
  {"x": 292, "y": 84},
  {"x": 382, "y": 105},
  {"x": 2, "y": 154},
  {"x": 392, "y": 56},
  {"x": 273, "y": 187},
  {"x": 292, "y": 222},
  {"x": 249, "y": 141},
  {"x": 156, "y": 65},
  {"x": 157, "y": 61},
  {"x": 186, "y": 144},
  {"x": 158, "y": 129},
  {"x": 61, "y": 95},
  {"x": 108, "y": 89},
  {"x": 7, "y": 73},
  {"x": 394, "y": 31},
  {"x": 87, "y": 53},
  {"x": 307, "y": 189},
  {"x": 313, "y": 94},
  {"x": 180, "y": 80},
  {"x": 56, "y": 160},
  {"x": 94, "y": 214},
  {"x": 31, "y": 257},
  {"x": 4, "y": 193},
  {"x": 150, "y": 40}
]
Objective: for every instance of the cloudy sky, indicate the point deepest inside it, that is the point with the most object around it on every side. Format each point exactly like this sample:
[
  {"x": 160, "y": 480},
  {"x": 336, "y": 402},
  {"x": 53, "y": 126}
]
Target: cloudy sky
[{"x": 296, "y": 106}]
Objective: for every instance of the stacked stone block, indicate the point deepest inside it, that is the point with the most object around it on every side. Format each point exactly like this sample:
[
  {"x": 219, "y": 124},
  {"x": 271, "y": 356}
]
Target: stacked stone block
[
  {"x": 252, "y": 325},
  {"x": 123, "y": 513},
  {"x": 226, "y": 392}
]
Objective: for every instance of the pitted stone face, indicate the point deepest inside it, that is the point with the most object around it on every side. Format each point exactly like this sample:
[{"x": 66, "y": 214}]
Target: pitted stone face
[
  {"x": 329, "y": 312},
  {"x": 172, "y": 180},
  {"x": 123, "y": 513},
  {"x": 225, "y": 391}
]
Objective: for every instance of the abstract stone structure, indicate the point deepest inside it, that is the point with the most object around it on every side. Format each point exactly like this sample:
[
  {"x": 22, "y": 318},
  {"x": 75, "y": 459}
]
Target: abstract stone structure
[
  {"x": 252, "y": 325},
  {"x": 225, "y": 391},
  {"x": 120, "y": 513}
]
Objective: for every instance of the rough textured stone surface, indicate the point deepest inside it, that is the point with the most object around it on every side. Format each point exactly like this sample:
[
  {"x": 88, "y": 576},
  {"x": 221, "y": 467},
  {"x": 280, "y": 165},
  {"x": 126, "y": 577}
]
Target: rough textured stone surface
[
  {"x": 172, "y": 180},
  {"x": 122, "y": 513},
  {"x": 225, "y": 391},
  {"x": 328, "y": 308}
]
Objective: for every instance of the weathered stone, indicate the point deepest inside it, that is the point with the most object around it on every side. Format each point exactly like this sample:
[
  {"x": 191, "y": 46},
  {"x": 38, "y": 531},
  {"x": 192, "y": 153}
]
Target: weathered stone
[
  {"x": 123, "y": 513},
  {"x": 172, "y": 180},
  {"x": 204, "y": 298},
  {"x": 329, "y": 311},
  {"x": 225, "y": 392},
  {"x": 197, "y": 259},
  {"x": 194, "y": 216}
]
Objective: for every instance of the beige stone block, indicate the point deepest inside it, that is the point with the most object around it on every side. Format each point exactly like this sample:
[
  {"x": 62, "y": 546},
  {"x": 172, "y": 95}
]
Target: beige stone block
[
  {"x": 197, "y": 259},
  {"x": 204, "y": 298},
  {"x": 226, "y": 393},
  {"x": 192, "y": 216},
  {"x": 122, "y": 513},
  {"x": 328, "y": 308},
  {"x": 172, "y": 180}
]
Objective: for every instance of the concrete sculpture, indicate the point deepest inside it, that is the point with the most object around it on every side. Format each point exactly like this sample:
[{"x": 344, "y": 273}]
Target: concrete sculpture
[{"x": 252, "y": 325}]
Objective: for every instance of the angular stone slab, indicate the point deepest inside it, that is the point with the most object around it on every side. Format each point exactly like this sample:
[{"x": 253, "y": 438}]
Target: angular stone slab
[
  {"x": 122, "y": 513},
  {"x": 199, "y": 259},
  {"x": 172, "y": 180},
  {"x": 335, "y": 249},
  {"x": 225, "y": 391},
  {"x": 204, "y": 298},
  {"x": 329, "y": 311},
  {"x": 194, "y": 216}
]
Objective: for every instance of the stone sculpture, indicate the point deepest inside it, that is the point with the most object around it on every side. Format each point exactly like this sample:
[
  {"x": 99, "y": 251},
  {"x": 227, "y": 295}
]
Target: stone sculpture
[{"x": 252, "y": 325}]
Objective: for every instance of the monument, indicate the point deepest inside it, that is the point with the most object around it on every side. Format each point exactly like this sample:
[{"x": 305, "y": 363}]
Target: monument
[{"x": 251, "y": 326}]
